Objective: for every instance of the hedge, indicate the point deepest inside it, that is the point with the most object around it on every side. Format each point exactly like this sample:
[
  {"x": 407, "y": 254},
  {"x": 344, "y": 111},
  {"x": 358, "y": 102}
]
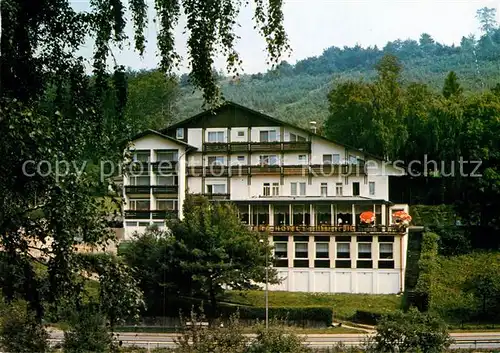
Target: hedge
[
  {"x": 367, "y": 317},
  {"x": 427, "y": 265},
  {"x": 175, "y": 306}
]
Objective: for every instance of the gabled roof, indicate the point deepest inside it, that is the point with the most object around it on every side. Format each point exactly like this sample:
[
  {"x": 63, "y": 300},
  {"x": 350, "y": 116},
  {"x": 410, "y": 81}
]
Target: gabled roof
[
  {"x": 150, "y": 131},
  {"x": 270, "y": 119}
]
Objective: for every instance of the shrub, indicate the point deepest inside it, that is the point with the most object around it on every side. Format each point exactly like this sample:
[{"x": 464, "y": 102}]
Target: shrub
[
  {"x": 20, "y": 332},
  {"x": 214, "y": 339},
  {"x": 276, "y": 339},
  {"x": 427, "y": 267},
  {"x": 88, "y": 332},
  {"x": 411, "y": 332}
]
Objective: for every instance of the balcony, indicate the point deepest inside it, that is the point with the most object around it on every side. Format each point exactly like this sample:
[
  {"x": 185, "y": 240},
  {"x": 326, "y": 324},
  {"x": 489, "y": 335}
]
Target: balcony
[
  {"x": 371, "y": 230},
  {"x": 137, "y": 189},
  {"x": 265, "y": 169},
  {"x": 338, "y": 169},
  {"x": 239, "y": 147},
  {"x": 210, "y": 171},
  {"x": 165, "y": 189},
  {"x": 137, "y": 214},
  {"x": 217, "y": 197},
  {"x": 164, "y": 214},
  {"x": 147, "y": 214}
]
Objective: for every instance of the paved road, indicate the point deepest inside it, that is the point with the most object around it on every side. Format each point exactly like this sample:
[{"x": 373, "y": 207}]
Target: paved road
[{"x": 489, "y": 340}]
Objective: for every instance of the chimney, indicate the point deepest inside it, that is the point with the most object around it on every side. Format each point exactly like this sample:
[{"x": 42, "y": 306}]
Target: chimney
[{"x": 313, "y": 126}]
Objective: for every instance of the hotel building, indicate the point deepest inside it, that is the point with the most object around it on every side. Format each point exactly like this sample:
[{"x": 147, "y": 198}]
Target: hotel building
[{"x": 306, "y": 191}]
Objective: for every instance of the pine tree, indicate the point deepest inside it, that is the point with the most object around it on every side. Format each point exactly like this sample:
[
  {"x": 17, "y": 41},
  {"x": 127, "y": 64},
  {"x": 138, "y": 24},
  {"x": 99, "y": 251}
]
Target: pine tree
[{"x": 451, "y": 86}]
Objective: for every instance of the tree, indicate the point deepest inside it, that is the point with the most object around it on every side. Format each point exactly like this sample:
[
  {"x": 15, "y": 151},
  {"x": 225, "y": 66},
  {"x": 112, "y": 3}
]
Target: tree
[
  {"x": 88, "y": 332},
  {"x": 20, "y": 332},
  {"x": 151, "y": 100},
  {"x": 217, "y": 251},
  {"x": 411, "y": 332},
  {"x": 52, "y": 112},
  {"x": 425, "y": 39},
  {"x": 487, "y": 18},
  {"x": 451, "y": 86},
  {"x": 485, "y": 287}
]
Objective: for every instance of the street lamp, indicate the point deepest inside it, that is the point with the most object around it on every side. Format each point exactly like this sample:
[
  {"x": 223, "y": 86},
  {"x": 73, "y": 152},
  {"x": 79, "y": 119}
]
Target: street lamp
[{"x": 267, "y": 287}]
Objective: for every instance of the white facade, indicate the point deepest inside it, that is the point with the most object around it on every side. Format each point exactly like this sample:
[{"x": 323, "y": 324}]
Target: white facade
[{"x": 305, "y": 190}]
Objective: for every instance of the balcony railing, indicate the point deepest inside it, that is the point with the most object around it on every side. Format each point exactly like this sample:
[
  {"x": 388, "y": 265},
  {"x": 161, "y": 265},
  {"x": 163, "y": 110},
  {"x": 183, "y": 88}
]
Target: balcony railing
[
  {"x": 137, "y": 189},
  {"x": 216, "y": 197},
  {"x": 157, "y": 189},
  {"x": 212, "y": 171},
  {"x": 165, "y": 189},
  {"x": 380, "y": 229},
  {"x": 147, "y": 214},
  {"x": 304, "y": 170},
  {"x": 238, "y": 147}
]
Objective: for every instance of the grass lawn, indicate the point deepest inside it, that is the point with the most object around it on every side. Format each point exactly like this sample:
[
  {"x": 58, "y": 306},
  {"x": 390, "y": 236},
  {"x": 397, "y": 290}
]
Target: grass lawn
[{"x": 343, "y": 305}]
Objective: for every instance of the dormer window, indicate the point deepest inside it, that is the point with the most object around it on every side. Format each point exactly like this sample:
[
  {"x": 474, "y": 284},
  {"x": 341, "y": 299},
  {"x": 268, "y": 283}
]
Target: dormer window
[{"x": 179, "y": 133}]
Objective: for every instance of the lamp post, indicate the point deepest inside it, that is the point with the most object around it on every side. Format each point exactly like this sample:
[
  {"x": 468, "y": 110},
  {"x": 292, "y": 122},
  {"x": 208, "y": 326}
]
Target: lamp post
[{"x": 267, "y": 288}]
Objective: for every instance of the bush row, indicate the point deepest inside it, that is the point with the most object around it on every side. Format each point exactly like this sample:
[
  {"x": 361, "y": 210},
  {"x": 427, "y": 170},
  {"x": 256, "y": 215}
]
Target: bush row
[
  {"x": 298, "y": 315},
  {"x": 427, "y": 266}
]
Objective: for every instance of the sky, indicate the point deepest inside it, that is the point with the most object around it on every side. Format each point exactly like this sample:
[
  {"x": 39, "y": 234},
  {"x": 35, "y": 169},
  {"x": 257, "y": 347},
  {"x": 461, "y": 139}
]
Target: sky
[{"x": 314, "y": 25}]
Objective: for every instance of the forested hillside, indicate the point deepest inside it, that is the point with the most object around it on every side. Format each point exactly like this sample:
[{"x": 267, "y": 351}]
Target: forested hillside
[{"x": 298, "y": 93}]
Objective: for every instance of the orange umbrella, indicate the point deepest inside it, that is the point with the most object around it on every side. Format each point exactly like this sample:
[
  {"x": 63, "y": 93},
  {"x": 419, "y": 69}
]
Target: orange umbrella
[
  {"x": 402, "y": 215},
  {"x": 367, "y": 217}
]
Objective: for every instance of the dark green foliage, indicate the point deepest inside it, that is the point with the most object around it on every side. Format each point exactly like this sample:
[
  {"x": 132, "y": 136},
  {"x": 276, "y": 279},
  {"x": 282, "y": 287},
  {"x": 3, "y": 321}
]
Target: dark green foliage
[
  {"x": 484, "y": 285},
  {"x": 451, "y": 86},
  {"x": 20, "y": 331},
  {"x": 208, "y": 250},
  {"x": 88, "y": 332},
  {"x": 427, "y": 263},
  {"x": 411, "y": 332},
  {"x": 277, "y": 339}
]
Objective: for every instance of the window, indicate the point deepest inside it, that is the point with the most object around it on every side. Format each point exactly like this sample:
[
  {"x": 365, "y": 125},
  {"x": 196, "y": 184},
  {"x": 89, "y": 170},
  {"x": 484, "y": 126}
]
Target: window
[
  {"x": 353, "y": 160},
  {"x": 322, "y": 251},
  {"x": 267, "y": 189},
  {"x": 179, "y": 133},
  {"x": 166, "y": 205},
  {"x": 276, "y": 189},
  {"x": 364, "y": 250},
  {"x": 301, "y": 215},
  {"x": 336, "y": 158},
  {"x": 216, "y": 188},
  {"x": 166, "y": 156},
  {"x": 323, "y": 214},
  {"x": 281, "y": 215},
  {"x": 355, "y": 188},
  {"x": 140, "y": 180},
  {"x": 293, "y": 137},
  {"x": 141, "y": 156},
  {"x": 301, "y": 250},
  {"x": 371, "y": 186},
  {"x": 216, "y": 136},
  {"x": 343, "y": 250},
  {"x": 302, "y": 189},
  {"x": 241, "y": 133},
  {"x": 327, "y": 159},
  {"x": 240, "y": 159},
  {"x": 281, "y": 250},
  {"x": 140, "y": 205},
  {"x": 159, "y": 224},
  {"x": 215, "y": 160},
  {"x": 166, "y": 180},
  {"x": 130, "y": 224},
  {"x": 386, "y": 251},
  {"x": 269, "y": 160},
  {"x": 144, "y": 224},
  {"x": 302, "y": 159},
  {"x": 268, "y": 136},
  {"x": 338, "y": 189},
  {"x": 324, "y": 189}
]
